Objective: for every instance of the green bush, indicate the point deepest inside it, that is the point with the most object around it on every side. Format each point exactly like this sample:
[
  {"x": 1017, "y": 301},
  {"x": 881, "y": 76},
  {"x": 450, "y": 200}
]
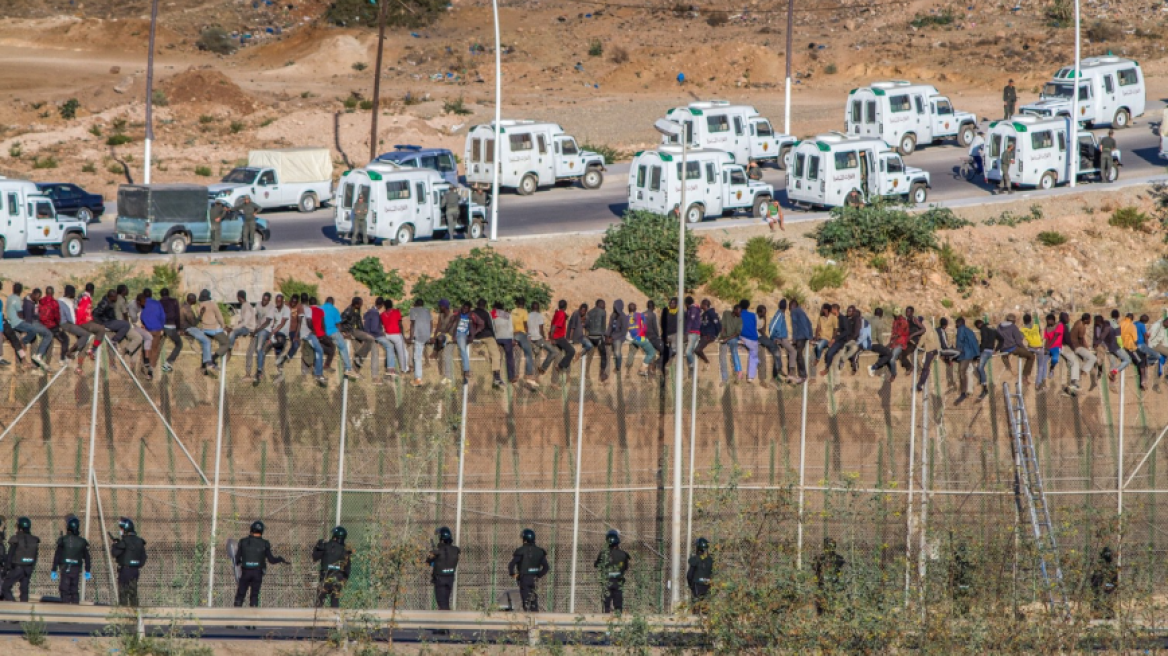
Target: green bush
[
  {"x": 399, "y": 13},
  {"x": 95, "y": 130},
  {"x": 159, "y": 99},
  {"x": 595, "y": 48},
  {"x": 758, "y": 264},
  {"x": 88, "y": 167},
  {"x": 456, "y": 106},
  {"x": 1061, "y": 12},
  {"x": 372, "y": 274},
  {"x": 203, "y": 171},
  {"x": 945, "y": 17},
  {"x": 49, "y": 162},
  {"x": 643, "y": 249},
  {"x": 483, "y": 273},
  {"x": 1012, "y": 220},
  {"x": 794, "y": 293},
  {"x": 731, "y": 287},
  {"x": 1051, "y": 238},
  {"x": 167, "y": 276},
  {"x": 831, "y": 69},
  {"x": 360, "y": 66},
  {"x": 237, "y": 127},
  {"x": 365, "y": 105},
  {"x": 962, "y": 274},
  {"x": 290, "y": 286},
  {"x": 117, "y": 139},
  {"x": 68, "y": 109},
  {"x": 216, "y": 39},
  {"x": 827, "y": 276},
  {"x": 1130, "y": 218},
  {"x": 609, "y": 153},
  {"x": 873, "y": 229}
]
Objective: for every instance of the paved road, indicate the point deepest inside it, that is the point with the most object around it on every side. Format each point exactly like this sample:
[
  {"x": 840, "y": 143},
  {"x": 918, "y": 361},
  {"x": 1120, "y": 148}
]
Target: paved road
[{"x": 573, "y": 209}]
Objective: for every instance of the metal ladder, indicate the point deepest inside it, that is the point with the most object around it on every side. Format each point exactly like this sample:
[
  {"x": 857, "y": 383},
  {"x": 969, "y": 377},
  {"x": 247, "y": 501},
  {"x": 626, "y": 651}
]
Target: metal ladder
[{"x": 1031, "y": 498}]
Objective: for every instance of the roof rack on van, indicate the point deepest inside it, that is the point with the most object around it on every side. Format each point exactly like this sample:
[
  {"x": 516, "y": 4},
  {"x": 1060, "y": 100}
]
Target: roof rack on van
[
  {"x": 384, "y": 166},
  {"x": 888, "y": 84},
  {"x": 410, "y": 147},
  {"x": 707, "y": 104},
  {"x": 516, "y": 122},
  {"x": 832, "y": 137}
]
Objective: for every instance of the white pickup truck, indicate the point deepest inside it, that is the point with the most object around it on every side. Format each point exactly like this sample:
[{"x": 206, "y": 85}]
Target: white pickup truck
[
  {"x": 30, "y": 223},
  {"x": 292, "y": 177}
]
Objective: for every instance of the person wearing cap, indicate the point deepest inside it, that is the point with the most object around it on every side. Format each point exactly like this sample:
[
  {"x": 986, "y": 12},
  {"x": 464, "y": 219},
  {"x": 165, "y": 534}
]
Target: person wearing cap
[
  {"x": 219, "y": 213},
  {"x": 612, "y": 563},
  {"x": 1009, "y": 99},
  {"x": 252, "y": 557},
  {"x": 247, "y": 211}
]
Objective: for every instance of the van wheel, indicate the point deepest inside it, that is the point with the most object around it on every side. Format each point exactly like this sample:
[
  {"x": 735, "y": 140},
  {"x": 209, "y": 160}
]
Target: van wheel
[
  {"x": 85, "y": 215},
  {"x": 908, "y": 143},
  {"x": 854, "y": 199},
  {"x": 592, "y": 179},
  {"x": 72, "y": 246},
  {"x": 760, "y": 207},
  {"x": 527, "y": 185},
  {"x": 36, "y": 250},
  {"x": 175, "y": 244},
  {"x": 1122, "y": 119},
  {"x": 694, "y": 214},
  {"x": 307, "y": 203},
  {"x": 404, "y": 235},
  {"x": 1112, "y": 173},
  {"x": 965, "y": 135},
  {"x": 478, "y": 230},
  {"x": 781, "y": 162},
  {"x": 919, "y": 194},
  {"x": 144, "y": 249},
  {"x": 1047, "y": 181}
]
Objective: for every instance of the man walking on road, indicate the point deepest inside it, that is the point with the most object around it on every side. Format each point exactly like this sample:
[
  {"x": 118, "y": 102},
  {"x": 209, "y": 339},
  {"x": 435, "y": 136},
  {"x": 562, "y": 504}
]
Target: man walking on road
[{"x": 1009, "y": 99}]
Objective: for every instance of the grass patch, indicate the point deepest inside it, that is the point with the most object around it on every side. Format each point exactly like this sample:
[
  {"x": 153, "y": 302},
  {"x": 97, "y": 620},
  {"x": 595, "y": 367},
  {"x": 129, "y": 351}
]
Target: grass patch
[
  {"x": 365, "y": 105},
  {"x": 48, "y": 162},
  {"x": 203, "y": 171},
  {"x": 827, "y": 276},
  {"x": 68, "y": 109},
  {"x": 291, "y": 286},
  {"x": 1051, "y": 238},
  {"x": 1157, "y": 275},
  {"x": 1012, "y": 220},
  {"x": 456, "y": 106},
  {"x": 360, "y": 66},
  {"x": 88, "y": 167},
  {"x": 595, "y": 48},
  {"x": 15, "y": 151},
  {"x": 618, "y": 55},
  {"x": 963, "y": 275},
  {"x": 237, "y": 127},
  {"x": 35, "y": 632},
  {"x": 830, "y": 69},
  {"x": 118, "y": 140},
  {"x": 1130, "y": 218},
  {"x": 215, "y": 39},
  {"x": 159, "y": 99},
  {"x": 940, "y": 19},
  {"x": 609, "y": 153}
]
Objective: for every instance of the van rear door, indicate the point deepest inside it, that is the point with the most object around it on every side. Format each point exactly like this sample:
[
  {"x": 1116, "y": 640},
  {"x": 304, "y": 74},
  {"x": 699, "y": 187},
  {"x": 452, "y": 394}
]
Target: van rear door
[
  {"x": 425, "y": 212},
  {"x": 15, "y": 235}
]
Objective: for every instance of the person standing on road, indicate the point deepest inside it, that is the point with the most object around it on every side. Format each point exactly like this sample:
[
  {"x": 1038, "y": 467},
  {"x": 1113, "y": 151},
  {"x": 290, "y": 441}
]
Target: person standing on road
[
  {"x": 450, "y": 210},
  {"x": 22, "y": 557},
  {"x": 248, "y": 211},
  {"x": 443, "y": 562},
  {"x": 977, "y": 152},
  {"x": 528, "y": 565},
  {"x": 360, "y": 216},
  {"x": 1009, "y": 99},
  {"x": 72, "y": 554},
  {"x": 129, "y": 551},
  {"x": 1107, "y": 146},
  {"x": 253, "y": 555},
  {"x": 220, "y": 212},
  {"x": 1007, "y": 162}
]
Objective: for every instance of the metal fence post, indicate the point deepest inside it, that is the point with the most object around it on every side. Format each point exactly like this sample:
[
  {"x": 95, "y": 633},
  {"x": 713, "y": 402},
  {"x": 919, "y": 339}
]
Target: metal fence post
[
  {"x": 579, "y": 467},
  {"x": 803, "y": 454},
  {"x": 341, "y": 459},
  {"x": 1119, "y": 477},
  {"x": 693, "y": 429},
  {"x": 215, "y": 492},
  {"x": 912, "y": 452},
  {"x": 922, "y": 558},
  {"x": 458, "y": 502},
  {"x": 92, "y": 446}
]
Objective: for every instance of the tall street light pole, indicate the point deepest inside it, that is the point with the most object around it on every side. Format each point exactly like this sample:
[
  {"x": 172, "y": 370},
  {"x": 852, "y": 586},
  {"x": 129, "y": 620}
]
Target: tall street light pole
[
  {"x": 787, "y": 86},
  {"x": 1073, "y": 150},
  {"x": 150, "y": 92},
  {"x": 498, "y": 127},
  {"x": 382, "y": 11},
  {"x": 673, "y": 128}
]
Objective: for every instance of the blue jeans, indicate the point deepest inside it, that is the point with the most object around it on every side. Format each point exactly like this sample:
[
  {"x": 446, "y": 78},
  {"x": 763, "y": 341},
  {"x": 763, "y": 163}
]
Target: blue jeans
[
  {"x": 646, "y": 346},
  {"x": 730, "y": 347},
  {"x": 31, "y": 331},
  {"x": 386, "y": 346},
  {"x": 463, "y": 352},
  {"x": 317, "y": 355},
  {"x": 261, "y": 340},
  {"x": 820, "y": 346},
  {"x": 528, "y": 356},
  {"x": 343, "y": 349},
  {"x": 691, "y": 345},
  {"x": 204, "y": 341},
  {"x": 986, "y": 355}
]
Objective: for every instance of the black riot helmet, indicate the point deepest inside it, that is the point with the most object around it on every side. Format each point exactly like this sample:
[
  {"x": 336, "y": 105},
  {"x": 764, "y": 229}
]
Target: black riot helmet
[
  {"x": 613, "y": 537},
  {"x": 24, "y": 524},
  {"x": 73, "y": 525},
  {"x": 528, "y": 536},
  {"x": 339, "y": 534},
  {"x": 702, "y": 545},
  {"x": 126, "y": 524},
  {"x": 445, "y": 536},
  {"x": 257, "y": 527}
]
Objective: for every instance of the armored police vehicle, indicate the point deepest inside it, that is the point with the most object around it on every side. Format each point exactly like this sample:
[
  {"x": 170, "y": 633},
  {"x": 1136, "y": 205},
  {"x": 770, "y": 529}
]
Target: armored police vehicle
[
  {"x": 1111, "y": 91},
  {"x": 1040, "y": 153},
  {"x": 29, "y": 222},
  {"x": 736, "y": 129},
  {"x": 714, "y": 184},
  {"x": 907, "y": 115},
  {"x": 531, "y": 155},
  {"x": 837, "y": 169}
]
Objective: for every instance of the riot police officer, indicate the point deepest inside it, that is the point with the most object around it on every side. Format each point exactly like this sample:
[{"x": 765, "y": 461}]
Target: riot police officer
[
  {"x": 253, "y": 555},
  {"x": 443, "y": 562},
  {"x": 701, "y": 571},
  {"x": 336, "y": 561},
  {"x": 129, "y": 551},
  {"x": 613, "y": 562},
  {"x": 528, "y": 565},
  {"x": 72, "y": 553},
  {"x": 22, "y": 558}
]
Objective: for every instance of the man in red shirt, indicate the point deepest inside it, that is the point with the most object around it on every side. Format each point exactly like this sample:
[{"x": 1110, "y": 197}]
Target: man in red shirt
[
  {"x": 49, "y": 312},
  {"x": 560, "y": 336},
  {"x": 391, "y": 322}
]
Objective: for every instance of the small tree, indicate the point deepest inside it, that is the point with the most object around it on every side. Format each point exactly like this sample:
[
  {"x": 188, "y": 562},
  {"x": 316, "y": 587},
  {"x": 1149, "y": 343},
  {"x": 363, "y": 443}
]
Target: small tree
[
  {"x": 483, "y": 273},
  {"x": 643, "y": 249},
  {"x": 372, "y": 274}
]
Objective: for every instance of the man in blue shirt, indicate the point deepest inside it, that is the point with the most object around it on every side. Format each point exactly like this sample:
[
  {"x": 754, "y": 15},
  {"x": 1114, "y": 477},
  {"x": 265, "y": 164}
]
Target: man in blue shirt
[
  {"x": 332, "y": 329},
  {"x": 969, "y": 351},
  {"x": 802, "y": 333},
  {"x": 153, "y": 318},
  {"x": 749, "y": 338}
]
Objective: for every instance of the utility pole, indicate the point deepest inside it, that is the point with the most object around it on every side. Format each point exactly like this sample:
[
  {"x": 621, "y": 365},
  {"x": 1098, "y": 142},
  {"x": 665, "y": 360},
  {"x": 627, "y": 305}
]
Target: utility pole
[
  {"x": 382, "y": 11},
  {"x": 787, "y": 86},
  {"x": 150, "y": 92}
]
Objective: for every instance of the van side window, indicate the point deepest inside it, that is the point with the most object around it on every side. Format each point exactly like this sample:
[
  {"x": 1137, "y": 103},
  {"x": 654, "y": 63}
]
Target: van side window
[
  {"x": 542, "y": 142},
  {"x": 1062, "y": 139},
  {"x": 738, "y": 125},
  {"x": 944, "y": 108},
  {"x": 1041, "y": 140},
  {"x": 570, "y": 147},
  {"x": 895, "y": 164},
  {"x": 1085, "y": 92},
  {"x": 899, "y": 104},
  {"x": 813, "y": 167},
  {"x": 799, "y": 165},
  {"x": 693, "y": 170},
  {"x": 857, "y": 111},
  {"x": 476, "y": 149},
  {"x": 995, "y": 145},
  {"x": 718, "y": 123},
  {"x": 1108, "y": 84},
  {"x": 737, "y": 177},
  {"x": 490, "y": 159},
  {"x": 920, "y": 104},
  {"x": 641, "y": 176},
  {"x": 765, "y": 129},
  {"x": 421, "y": 193},
  {"x": 397, "y": 190},
  {"x": 711, "y": 177},
  {"x": 1128, "y": 77},
  {"x": 521, "y": 142},
  {"x": 655, "y": 178},
  {"x": 871, "y": 111},
  {"x": 445, "y": 163},
  {"x": 847, "y": 160},
  {"x": 347, "y": 197},
  {"x": 267, "y": 178}
]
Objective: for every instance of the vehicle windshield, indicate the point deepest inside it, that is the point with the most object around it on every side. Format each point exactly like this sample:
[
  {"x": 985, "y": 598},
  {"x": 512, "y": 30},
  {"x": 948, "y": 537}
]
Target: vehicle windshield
[
  {"x": 1054, "y": 90},
  {"x": 241, "y": 176}
]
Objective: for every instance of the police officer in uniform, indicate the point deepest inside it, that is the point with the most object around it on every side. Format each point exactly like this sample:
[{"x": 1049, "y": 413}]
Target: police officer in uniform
[
  {"x": 72, "y": 552},
  {"x": 1007, "y": 162},
  {"x": 220, "y": 211},
  {"x": 1009, "y": 99},
  {"x": 451, "y": 203},
  {"x": 248, "y": 211},
  {"x": 360, "y": 218},
  {"x": 22, "y": 558},
  {"x": 129, "y": 551},
  {"x": 443, "y": 562},
  {"x": 701, "y": 571},
  {"x": 336, "y": 561},
  {"x": 252, "y": 555},
  {"x": 528, "y": 565},
  {"x": 828, "y": 568},
  {"x": 613, "y": 562},
  {"x": 1107, "y": 145}
]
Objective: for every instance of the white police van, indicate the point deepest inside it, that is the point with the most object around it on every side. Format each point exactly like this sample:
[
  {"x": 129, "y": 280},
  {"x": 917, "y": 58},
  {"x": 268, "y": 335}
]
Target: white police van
[
  {"x": 532, "y": 155},
  {"x": 714, "y": 184},
  {"x": 836, "y": 169},
  {"x": 1111, "y": 92},
  {"x": 1040, "y": 152},
  {"x": 906, "y": 115},
  {"x": 736, "y": 129}
]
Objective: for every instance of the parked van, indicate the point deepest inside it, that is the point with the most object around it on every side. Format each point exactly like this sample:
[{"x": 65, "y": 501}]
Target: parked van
[
  {"x": 836, "y": 169},
  {"x": 29, "y": 222},
  {"x": 532, "y": 155},
  {"x": 714, "y": 184},
  {"x": 736, "y": 129},
  {"x": 1040, "y": 152},
  {"x": 906, "y": 115},
  {"x": 439, "y": 159},
  {"x": 1111, "y": 92},
  {"x": 405, "y": 203}
]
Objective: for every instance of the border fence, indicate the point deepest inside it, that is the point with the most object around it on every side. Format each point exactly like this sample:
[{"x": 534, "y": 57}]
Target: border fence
[{"x": 891, "y": 475}]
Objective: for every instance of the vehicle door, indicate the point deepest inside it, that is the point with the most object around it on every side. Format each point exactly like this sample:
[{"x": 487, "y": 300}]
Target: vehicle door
[
  {"x": 924, "y": 123},
  {"x": 655, "y": 194},
  {"x": 865, "y": 117},
  {"x": 344, "y": 218},
  {"x": 741, "y": 141},
  {"x": 44, "y": 227},
  {"x": 763, "y": 144},
  {"x": 942, "y": 117},
  {"x": 711, "y": 189},
  {"x": 544, "y": 161},
  {"x": 845, "y": 177},
  {"x": 424, "y": 210},
  {"x": 638, "y": 184},
  {"x": 15, "y": 224},
  {"x": 1108, "y": 101},
  {"x": 735, "y": 187},
  {"x": 893, "y": 179},
  {"x": 869, "y": 179},
  {"x": 1088, "y": 153},
  {"x": 1087, "y": 110},
  {"x": 568, "y": 162},
  {"x": 268, "y": 191},
  {"x": 1019, "y": 156}
]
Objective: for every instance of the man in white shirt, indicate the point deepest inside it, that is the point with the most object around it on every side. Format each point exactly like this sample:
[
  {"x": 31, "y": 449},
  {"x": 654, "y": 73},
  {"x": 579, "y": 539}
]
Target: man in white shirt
[
  {"x": 275, "y": 322},
  {"x": 977, "y": 152},
  {"x": 245, "y": 325}
]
